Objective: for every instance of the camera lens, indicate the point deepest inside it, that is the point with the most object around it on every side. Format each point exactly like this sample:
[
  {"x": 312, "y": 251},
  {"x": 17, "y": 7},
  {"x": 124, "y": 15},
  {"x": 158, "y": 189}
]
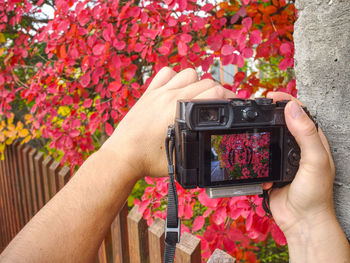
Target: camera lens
[{"x": 208, "y": 115}]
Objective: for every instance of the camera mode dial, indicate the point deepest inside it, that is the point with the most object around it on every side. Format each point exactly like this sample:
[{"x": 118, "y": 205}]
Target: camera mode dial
[{"x": 250, "y": 114}]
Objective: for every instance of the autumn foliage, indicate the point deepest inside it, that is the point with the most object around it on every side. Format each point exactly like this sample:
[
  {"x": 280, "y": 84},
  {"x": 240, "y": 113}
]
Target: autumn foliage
[{"x": 67, "y": 80}]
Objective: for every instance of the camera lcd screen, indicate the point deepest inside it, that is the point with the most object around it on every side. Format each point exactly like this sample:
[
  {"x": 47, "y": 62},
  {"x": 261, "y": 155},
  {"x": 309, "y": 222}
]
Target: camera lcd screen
[{"x": 240, "y": 156}]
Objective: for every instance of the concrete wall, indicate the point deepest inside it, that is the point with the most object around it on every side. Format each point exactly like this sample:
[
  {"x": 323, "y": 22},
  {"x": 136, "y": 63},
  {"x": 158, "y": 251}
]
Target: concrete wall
[{"x": 322, "y": 65}]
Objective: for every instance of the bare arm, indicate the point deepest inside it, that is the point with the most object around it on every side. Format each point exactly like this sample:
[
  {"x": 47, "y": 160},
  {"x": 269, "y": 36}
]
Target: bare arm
[{"x": 71, "y": 227}]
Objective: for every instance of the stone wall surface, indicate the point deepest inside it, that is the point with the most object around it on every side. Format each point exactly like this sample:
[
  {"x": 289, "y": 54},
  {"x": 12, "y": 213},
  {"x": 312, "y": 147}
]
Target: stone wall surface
[{"x": 322, "y": 66}]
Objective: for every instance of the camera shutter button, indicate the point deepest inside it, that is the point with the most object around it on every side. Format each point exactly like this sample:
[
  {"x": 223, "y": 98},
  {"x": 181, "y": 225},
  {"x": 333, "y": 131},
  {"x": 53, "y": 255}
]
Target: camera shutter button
[
  {"x": 263, "y": 101},
  {"x": 250, "y": 114}
]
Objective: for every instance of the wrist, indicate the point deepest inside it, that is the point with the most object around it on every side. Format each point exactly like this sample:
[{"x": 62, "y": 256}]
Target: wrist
[
  {"x": 120, "y": 164},
  {"x": 317, "y": 239}
]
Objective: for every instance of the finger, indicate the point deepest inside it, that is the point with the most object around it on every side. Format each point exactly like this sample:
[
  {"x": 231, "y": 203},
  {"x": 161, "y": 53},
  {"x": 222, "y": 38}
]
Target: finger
[
  {"x": 277, "y": 95},
  {"x": 194, "y": 89},
  {"x": 162, "y": 77},
  {"x": 267, "y": 186},
  {"x": 182, "y": 79},
  {"x": 217, "y": 92},
  {"x": 313, "y": 153}
]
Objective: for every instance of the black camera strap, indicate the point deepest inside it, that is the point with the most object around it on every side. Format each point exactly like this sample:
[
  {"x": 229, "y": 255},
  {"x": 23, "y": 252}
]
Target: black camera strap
[{"x": 172, "y": 223}]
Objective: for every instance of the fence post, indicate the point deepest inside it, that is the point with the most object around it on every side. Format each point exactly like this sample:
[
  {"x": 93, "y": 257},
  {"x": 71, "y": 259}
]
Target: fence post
[
  {"x": 15, "y": 185},
  {"x": 26, "y": 177},
  {"x": 46, "y": 179},
  {"x": 32, "y": 180},
  {"x": 10, "y": 198},
  {"x": 138, "y": 240},
  {"x": 15, "y": 165},
  {"x": 2, "y": 213},
  {"x": 63, "y": 177},
  {"x": 120, "y": 240},
  {"x": 4, "y": 205},
  {"x": 188, "y": 250},
  {"x": 20, "y": 166},
  {"x": 53, "y": 174},
  {"x": 38, "y": 162},
  {"x": 156, "y": 241},
  {"x": 101, "y": 254},
  {"x": 220, "y": 256}
]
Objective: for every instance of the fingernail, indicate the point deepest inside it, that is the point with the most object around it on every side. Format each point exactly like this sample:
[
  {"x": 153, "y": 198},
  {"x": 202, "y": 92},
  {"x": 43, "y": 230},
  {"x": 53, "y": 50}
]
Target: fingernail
[{"x": 295, "y": 110}]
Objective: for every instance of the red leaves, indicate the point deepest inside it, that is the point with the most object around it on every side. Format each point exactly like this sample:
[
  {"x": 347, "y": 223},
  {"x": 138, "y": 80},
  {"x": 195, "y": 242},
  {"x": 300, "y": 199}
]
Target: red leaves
[
  {"x": 182, "y": 48},
  {"x": 278, "y": 235},
  {"x": 108, "y": 129},
  {"x": 119, "y": 45},
  {"x": 166, "y": 48},
  {"x": 63, "y": 53},
  {"x": 185, "y": 38},
  {"x": 129, "y": 72},
  {"x": 239, "y": 76},
  {"x": 198, "y": 223},
  {"x": 247, "y": 52},
  {"x": 227, "y": 50},
  {"x": 255, "y": 37},
  {"x": 87, "y": 103},
  {"x": 98, "y": 49},
  {"x": 247, "y": 22},
  {"x": 85, "y": 80},
  {"x": 114, "y": 86},
  {"x": 67, "y": 100},
  {"x": 215, "y": 42},
  {"x": 286, "y": 49},
  {"x": 286, "y": 63},
  {"x": 219, "y": 216},
  {"x": 198, "y": 23},
  {"x": 108, "y": 33}
]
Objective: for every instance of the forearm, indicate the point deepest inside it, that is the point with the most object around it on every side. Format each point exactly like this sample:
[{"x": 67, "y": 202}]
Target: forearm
[
  {"x": 72, "y": 225},
  {"x": 314, "y": 241}
]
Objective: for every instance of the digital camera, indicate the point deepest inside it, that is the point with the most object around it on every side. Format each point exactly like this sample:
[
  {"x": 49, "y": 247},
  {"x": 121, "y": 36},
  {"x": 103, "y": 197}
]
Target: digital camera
[{"x": 230, "y": 147}]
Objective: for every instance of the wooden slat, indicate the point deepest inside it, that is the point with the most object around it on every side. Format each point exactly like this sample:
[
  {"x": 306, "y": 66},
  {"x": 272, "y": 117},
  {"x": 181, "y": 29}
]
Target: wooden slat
[
  {"x": 15, "y": 187},
  {"x": 18, "y": 183},
  {"x": 38, "y": 162},
  {"x": 220, "y": 256},
  {"x": 156, "y": 241},
  {"x": 53, "y": 175},
  {"x": 63, "y": 177},
  {"x": 188, "y": 250},
  {"x": 11, "y": 204},
  {"x": 120, "y": 241},
  {"x": 138, "y": 240},
  {"x": 101, "y": 254},
  {"x": 46, "y": 179},
  {"x": 26, "y": 175},
  {"x": 33, "y": 182},
  {"x": 108, "y": 246},
  {"x": 6, "y": 228},
  {"x": 2, "y": 213},
  {"x": 21, "y": 175}
]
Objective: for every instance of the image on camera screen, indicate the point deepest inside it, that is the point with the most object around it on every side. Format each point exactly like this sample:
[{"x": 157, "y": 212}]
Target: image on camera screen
[{"x": 240, "y": 156}]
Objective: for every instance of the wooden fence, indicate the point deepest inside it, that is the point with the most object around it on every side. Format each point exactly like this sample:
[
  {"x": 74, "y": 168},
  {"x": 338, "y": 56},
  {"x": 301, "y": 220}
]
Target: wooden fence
[{"x": 28, "y": 180}]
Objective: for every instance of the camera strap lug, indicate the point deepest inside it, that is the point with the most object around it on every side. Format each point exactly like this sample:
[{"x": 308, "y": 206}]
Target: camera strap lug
[{"x": 172, "y": 223}]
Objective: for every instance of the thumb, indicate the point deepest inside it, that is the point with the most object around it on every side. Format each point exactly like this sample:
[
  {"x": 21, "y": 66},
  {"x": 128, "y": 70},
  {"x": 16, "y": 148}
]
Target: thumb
[{"x": 305, "y": 133}]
